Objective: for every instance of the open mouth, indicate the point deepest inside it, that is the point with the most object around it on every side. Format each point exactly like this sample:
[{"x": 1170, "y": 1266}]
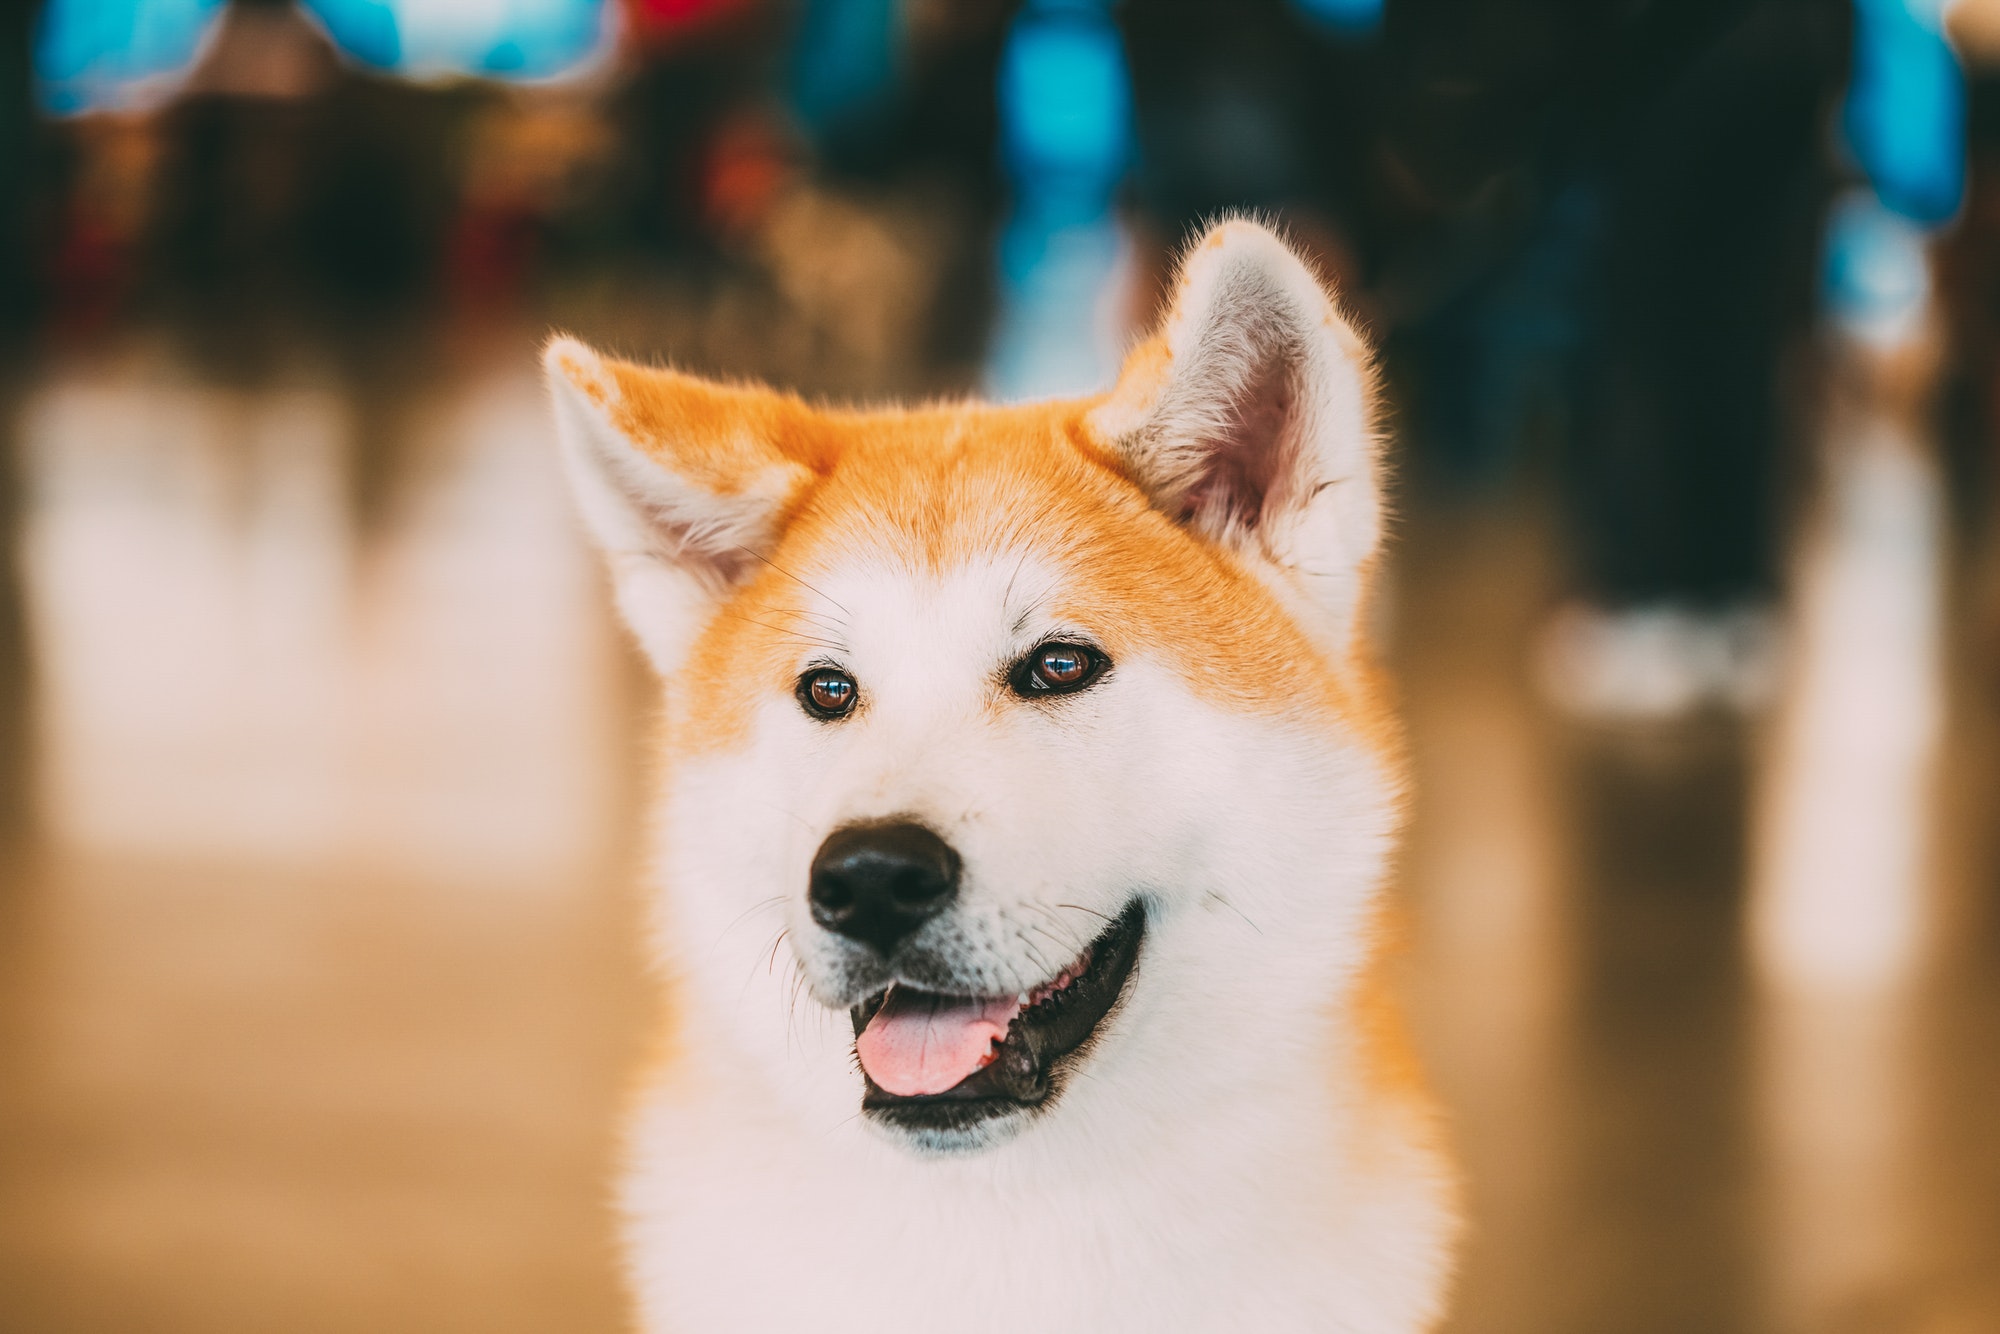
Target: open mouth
[{"x": 942, "y": 1063}]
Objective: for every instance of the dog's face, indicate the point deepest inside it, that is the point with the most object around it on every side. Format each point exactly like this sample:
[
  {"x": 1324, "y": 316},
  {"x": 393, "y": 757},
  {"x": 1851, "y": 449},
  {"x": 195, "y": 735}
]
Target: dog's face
[{"x": 1017, "y": 760}]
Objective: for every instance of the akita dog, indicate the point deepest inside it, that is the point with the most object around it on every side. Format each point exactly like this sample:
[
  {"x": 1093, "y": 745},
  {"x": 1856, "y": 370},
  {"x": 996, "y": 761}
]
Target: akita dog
[{"x": 1025, "y": 800}]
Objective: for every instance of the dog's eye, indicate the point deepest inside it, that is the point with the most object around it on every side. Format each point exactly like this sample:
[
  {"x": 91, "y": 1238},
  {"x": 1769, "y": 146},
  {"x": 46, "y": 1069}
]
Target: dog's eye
[
  {"x": 1057, "y": 669},
  {"x": 826, "y": 692}
]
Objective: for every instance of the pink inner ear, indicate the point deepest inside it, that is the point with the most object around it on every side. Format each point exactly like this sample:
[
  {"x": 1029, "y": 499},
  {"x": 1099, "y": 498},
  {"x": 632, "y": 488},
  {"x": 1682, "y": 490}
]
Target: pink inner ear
[{"x": 1255, "y": 457}]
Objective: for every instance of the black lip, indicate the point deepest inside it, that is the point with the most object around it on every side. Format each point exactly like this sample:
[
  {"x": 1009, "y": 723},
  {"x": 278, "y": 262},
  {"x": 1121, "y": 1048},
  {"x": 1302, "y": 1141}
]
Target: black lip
[{"x": 1042, "y": 1046}]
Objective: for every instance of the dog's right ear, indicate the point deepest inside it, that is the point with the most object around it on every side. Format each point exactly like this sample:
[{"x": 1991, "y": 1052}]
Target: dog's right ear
[
  {"x": 685, "y": 484},
  {"x": 1249, "y": 420}
]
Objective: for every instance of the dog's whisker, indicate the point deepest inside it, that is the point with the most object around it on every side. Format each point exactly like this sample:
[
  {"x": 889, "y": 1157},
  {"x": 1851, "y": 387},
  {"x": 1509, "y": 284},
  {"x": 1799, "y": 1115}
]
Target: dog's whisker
[
  {"x": 1007, "y": 598},
  {"x": 1238, "y": 911},
  {"x": 789, "y": 814},
  {"x": 750, "y": 975},
  {"x": 759, "y": 906},
  {"x": 1077, "y": 944},
  {"x": 827, "y": 644},
  {"x": 827, "y": 623},
  {"x": 788, "y": 574},
  {"x": 772, "y": 961},
  {"x": 791, "y": 1017},
  {"x": 1041, "y": 963},
  {"x": 1074, "y": 948},
  {"x": 1078, "y": 907},
  {"x": 831, "y": 625}
]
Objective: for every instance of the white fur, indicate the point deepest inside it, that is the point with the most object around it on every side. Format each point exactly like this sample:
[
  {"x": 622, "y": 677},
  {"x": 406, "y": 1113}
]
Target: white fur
[{"x": 1216, "y": 1164}]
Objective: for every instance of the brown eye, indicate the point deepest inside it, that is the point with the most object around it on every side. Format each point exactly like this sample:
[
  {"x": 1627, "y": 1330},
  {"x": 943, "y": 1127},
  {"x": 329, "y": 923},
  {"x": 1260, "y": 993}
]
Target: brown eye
[
  {"x": 1061, "y": 665},
  {"x": 826, "y": 692},
  {"x": 1057, "y": 669}
]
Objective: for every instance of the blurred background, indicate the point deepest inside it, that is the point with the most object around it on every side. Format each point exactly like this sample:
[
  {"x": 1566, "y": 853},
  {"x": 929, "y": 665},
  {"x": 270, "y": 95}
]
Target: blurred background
[{"x": 319, "y": 751}]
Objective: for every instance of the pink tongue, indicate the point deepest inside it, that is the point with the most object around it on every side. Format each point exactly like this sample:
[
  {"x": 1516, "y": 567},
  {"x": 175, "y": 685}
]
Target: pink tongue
[{"x": 920, "y": 1043}]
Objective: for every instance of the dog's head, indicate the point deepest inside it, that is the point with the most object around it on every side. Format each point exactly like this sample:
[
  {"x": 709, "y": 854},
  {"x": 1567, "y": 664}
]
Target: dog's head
[{"x": 1026, "y": 749}]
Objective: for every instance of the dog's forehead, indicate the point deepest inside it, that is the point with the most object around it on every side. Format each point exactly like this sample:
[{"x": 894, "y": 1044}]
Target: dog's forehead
[
  {"x": 957, "y": 538},
  {"x": 945, "y": 489},
  {"x": 996, "y": 523},
  {"x": 969, "y": 528},
  {"x": 896, "y": 613}
]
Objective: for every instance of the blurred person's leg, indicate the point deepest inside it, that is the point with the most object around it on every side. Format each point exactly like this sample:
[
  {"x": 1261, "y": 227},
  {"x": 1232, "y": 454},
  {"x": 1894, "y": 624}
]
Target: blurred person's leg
[
  {"x": 16, "y": 312},
  {"x": 666, "y": 116},
  {"x": 1968, "y": 285},
  {"x": 16, "y": 141},
  {"x": 1713, "y": 231},
  {"x": 1717, "y": 189}
]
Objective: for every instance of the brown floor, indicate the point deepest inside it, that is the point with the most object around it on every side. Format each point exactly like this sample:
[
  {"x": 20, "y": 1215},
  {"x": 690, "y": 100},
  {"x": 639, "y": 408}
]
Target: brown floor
[{"x": 317, "y": 984}]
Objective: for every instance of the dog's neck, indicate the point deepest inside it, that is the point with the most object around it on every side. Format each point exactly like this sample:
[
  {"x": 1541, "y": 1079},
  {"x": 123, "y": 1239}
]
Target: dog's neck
[{"x": 1313, "y": 1211}]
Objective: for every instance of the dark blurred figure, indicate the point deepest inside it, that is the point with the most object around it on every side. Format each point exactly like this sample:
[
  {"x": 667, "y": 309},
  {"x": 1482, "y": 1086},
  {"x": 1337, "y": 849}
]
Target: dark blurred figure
[
  {"x": 810, "y": 185},
  {"x": 16, "y": 145},
  {"x": 17, "y": 308},
  {"x": 1969, "y": 278},
  {"x": 699, "y": 64},
  {"x": 1715, "y": 179},
  {"x": 1596, "y": 223},
  {"x": 291, "y": 189}
]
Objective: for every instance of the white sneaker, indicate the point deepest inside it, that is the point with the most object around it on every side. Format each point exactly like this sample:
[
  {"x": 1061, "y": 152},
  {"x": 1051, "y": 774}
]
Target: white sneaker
[{"x": 1658, "y": 662}]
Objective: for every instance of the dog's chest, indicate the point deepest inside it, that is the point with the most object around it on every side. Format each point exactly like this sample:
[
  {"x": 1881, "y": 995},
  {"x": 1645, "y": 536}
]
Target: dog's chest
[{"x": 753, "y": 1236}]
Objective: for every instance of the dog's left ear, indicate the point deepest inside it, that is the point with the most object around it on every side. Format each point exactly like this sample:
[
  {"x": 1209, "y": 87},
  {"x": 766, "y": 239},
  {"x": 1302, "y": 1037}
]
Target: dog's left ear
[
  {"x": 684, "y": 483},
  {"x": 1249, "y": 418}
]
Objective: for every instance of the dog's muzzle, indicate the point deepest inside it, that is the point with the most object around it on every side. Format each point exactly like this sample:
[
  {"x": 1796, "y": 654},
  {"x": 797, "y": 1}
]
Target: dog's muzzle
[{"x": 940, "y": 1060}]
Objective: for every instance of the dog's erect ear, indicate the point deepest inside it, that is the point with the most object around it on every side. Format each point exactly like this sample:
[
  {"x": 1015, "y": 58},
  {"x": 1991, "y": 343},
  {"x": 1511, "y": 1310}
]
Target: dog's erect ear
[
  {"x": 1249, "y": 417},
  {"x": 685, "y": 484}
]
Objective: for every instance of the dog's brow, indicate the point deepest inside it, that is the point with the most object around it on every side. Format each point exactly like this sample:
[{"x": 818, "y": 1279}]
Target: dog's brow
[
  {"x": 789, "y": 575},
  {"x": 831, "y": 626},
  {"x": 1027, "y": 612}
]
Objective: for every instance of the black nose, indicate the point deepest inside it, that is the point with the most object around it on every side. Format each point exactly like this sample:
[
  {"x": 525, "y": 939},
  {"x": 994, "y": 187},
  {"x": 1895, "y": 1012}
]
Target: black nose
[{"x": 876, "y": 883}]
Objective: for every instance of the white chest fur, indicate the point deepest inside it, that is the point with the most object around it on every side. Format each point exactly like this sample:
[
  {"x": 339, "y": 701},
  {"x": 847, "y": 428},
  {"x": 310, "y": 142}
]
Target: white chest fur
[{"x": 739, "y": 1223}]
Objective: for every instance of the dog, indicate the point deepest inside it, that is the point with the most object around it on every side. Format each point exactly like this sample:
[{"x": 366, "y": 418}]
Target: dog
[{"x": 1025, "y": 800}]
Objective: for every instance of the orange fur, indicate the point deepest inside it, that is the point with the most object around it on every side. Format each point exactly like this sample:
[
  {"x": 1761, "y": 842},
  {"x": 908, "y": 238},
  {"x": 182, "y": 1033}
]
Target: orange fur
[{"x": 937, "y": 485}]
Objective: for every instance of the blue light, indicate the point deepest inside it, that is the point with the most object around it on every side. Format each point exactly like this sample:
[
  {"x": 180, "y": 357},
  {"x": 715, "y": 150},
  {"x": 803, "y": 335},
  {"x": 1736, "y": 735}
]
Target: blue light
[
  {"x": 99, "y": 54},
  {"x": 514, "y": 39},
  {"x": 845, "y": 59},
  {"x": 1345, "y": 16},
  {"x": 1066, "y": 141},
  {"x": 1905, "y": 110},
  {"x": 95, "y": 54},
  {"x": 365, "y": 29},
  {"x": 1055, "y": 335},
  {"x": 1065, "y": 107},
  {"x": 1875, "y": 278}
]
